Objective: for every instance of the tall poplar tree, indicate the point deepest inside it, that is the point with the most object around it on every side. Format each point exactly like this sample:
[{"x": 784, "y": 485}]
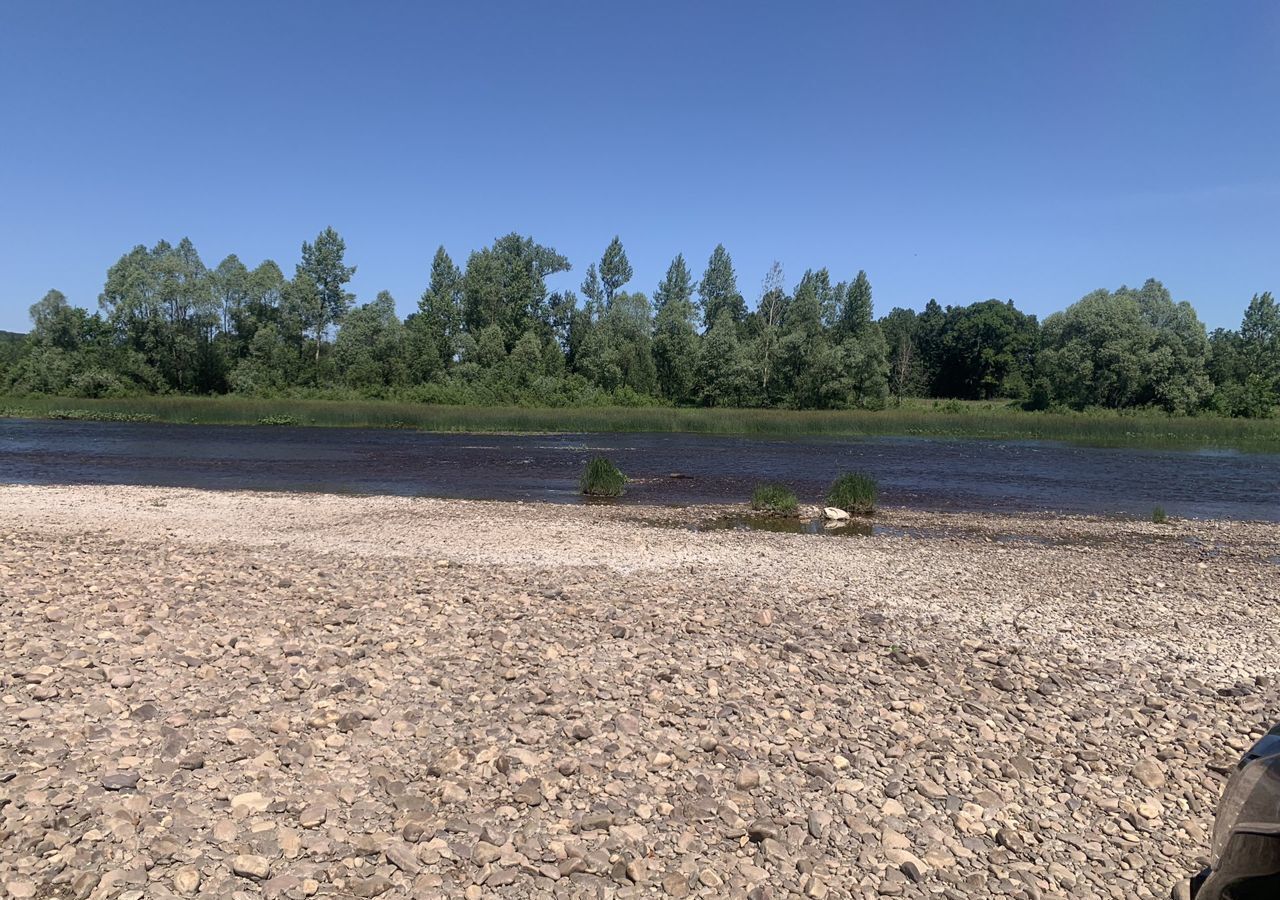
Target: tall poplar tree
[
  {"x": 675, "y": 339},
  {"x": 855, "y": 315},
  {"x": 433, "y": 328},
  {"x": 593, "y": 291},
  {"x": 770, "y": 311},
  {"x": 718, "y": 290},
  {"x": 615, "y": 269},
  {"x": 322, "y": 263},
  {"x": 1260, "y": 339}
]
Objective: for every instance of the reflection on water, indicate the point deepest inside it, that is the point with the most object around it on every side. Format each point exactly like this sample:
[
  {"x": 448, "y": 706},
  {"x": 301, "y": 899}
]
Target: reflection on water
[{"x": 962, "y": 475}]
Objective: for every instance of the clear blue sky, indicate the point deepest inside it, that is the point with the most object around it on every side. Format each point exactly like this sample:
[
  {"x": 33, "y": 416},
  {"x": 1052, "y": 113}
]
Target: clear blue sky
[{"x": 1024, "y": 150}]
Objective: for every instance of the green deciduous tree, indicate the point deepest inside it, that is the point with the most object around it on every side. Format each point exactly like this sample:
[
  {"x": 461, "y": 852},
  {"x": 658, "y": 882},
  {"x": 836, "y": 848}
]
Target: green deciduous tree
[
  {"x": 1094, "y": 351},
  {"x": 765, "y": 326},
  {"x": 899, "y": 329},
  {"x": 55, "y": 322},
  {"x": 987, "y": 350},
  {"x": 723, "y": 374},
  {"x": 1127, "y": 348},
  {"x": 856, "y": 310},
  {"x": 675, "y": 339},
  {"x": 1179, "y": 346},
  {"x": 161, "y": 303},
  {"x": 803, "y": 342},
  {"x": 1260, "y": 339},
  {"x": 493, "y": 334},
  {"x": 1244, "y": 365},
  {"x": 718, "y": 290},
  {"x": 566, "y": 323},
  {"x": 322, "y": 263},
  {"x": 72, "y": 353},
  {"x": 866, "y": 369},
  {"x": 593, "y": 291},
  {"x": 230, "y": 286},
  {"x": 505, "y": 286},
  {"x": 928, "y": 333},
  {"x": 524, "y": 364},
  {"x": 370, "y": 349},
  {"x": 264, "y": 292},
  {"x": 617, "y": 352},
  {"x": 615, "y": 269},
  {"x": 433, "y": 329}
]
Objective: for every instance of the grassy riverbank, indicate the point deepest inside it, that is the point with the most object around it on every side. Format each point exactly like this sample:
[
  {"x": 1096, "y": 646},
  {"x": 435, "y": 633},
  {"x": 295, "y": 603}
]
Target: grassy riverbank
[{"x": 914, "y": 418}]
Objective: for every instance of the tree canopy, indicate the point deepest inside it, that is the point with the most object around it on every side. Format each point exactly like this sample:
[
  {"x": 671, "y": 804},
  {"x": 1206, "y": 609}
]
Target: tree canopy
[{"x": 491, "y": 332}]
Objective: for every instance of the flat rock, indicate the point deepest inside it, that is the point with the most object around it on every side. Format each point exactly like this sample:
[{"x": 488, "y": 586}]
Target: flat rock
[
  {"x": 249, "y": 866},
  {"x": 119, "y": 781}
]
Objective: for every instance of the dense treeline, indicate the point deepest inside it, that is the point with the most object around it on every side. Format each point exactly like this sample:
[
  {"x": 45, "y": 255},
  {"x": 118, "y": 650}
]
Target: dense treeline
[{"x": 491, "y": 332}]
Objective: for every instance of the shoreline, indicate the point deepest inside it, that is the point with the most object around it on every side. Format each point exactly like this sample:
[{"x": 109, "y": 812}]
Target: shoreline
[
  {"x": 889, "y": 520},
  {"x": 994, "y": 420},
  {"x": 333, "y": 695},
  {"x": 892, "y": 522}
]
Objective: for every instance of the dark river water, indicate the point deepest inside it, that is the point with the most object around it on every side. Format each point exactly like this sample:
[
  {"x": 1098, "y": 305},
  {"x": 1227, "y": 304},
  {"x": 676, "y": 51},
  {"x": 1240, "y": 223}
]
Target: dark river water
[{"x": 917, "y": 472}]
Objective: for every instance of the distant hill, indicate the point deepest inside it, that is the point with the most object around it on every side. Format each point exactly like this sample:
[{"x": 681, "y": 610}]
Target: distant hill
[{"x": 11, "y": 336}]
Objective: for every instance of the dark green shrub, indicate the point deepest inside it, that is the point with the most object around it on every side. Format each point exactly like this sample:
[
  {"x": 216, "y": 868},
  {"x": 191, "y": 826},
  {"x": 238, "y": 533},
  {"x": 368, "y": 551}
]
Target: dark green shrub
[
  {"x": 601, "y": 478},
  {"x": 854, "y": 492},
  {"x": 1252, "y": 400},
  {"x": 775, "y": 499},
  {"x": 1158, "y": 515},
  {"x": 1041, "y": 396}
]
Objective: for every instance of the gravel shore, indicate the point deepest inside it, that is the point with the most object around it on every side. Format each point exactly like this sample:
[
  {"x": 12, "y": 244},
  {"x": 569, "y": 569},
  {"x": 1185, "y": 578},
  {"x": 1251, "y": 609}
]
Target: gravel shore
[{"x": 229, "y": 694}]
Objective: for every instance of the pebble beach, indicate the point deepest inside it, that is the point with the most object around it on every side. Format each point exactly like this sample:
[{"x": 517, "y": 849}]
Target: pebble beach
[{"x": 234, "y": 694}]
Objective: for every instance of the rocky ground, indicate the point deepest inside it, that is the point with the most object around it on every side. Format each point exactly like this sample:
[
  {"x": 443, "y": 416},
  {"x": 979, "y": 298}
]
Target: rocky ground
[{"x": 235, "y": 695}]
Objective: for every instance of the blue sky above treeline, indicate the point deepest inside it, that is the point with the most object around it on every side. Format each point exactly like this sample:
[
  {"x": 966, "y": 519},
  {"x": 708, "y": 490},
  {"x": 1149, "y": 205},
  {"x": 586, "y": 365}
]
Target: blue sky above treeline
[{"x": 958, "y": 151}]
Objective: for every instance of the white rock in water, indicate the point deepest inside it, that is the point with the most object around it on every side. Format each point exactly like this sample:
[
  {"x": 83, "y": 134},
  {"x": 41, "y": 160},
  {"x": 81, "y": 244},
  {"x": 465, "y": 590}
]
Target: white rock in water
[{"x": 834, "y": 514}]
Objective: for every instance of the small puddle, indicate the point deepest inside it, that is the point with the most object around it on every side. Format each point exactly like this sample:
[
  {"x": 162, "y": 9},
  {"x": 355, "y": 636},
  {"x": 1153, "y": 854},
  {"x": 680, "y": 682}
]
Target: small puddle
[
  {"x": 782, "y": 525},
  {"x": 1206, "y": 548}
]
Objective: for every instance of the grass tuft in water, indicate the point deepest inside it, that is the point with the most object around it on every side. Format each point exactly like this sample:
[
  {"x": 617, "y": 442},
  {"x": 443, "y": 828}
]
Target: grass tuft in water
[
  {"x": 854, "y": 492},
  {"x": 601, "y": 478},
  {"x": 775, "y": 499},
  {"x": 1158, "y": 515},
  {"x": 279, "y": 419},
  {"x": 98, "y": 415}
]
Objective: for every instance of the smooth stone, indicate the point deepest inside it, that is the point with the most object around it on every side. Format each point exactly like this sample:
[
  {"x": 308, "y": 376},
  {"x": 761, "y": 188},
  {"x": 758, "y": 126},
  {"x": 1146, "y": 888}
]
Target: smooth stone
[
  {"x": 186, "y": 880},
  {"x": 120, "y": 781},
  {"x": 250, "y": 866}
]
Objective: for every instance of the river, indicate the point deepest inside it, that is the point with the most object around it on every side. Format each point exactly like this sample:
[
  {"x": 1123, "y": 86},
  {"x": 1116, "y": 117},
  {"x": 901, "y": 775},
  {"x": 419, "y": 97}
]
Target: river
[{"x": 972, "y": 475}]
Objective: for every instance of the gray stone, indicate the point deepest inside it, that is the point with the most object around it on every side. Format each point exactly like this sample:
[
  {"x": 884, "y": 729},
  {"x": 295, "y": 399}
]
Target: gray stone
[{"x": 120, "y": 781}]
